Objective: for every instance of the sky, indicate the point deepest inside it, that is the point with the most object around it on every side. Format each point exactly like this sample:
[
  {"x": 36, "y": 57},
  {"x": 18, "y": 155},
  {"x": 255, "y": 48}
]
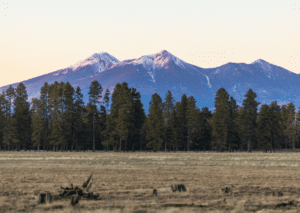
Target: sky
[{"x": 38, "y": 37}]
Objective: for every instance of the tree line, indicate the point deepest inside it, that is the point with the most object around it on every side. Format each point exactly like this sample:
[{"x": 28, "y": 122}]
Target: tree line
[{"x": 59, "y": 120}]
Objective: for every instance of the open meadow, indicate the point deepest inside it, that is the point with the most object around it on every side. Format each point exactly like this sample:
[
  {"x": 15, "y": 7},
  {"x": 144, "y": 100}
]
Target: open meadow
[{"x": 125, "y": 181}]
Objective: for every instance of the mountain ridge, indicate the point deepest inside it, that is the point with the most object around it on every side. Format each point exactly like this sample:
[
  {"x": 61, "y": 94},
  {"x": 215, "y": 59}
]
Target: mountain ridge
[{"x": 164, "y": 71}]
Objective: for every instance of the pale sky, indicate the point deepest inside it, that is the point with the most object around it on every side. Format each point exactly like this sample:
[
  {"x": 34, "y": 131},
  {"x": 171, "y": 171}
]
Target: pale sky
[{"x": 38, "y": 37}]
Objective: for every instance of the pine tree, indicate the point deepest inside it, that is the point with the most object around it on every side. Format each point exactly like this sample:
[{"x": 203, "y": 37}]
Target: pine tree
[
  {"x": 101, "y": 127},
  {"x": 10, "y": 132},
  {"x": 143, "y": 133},
  {"x": 155, "y": 133},
  {"x": 79, "y": 110},
  {"x": 94, "y": 96},
  {"x": 233, "y": 134},
  {"x": 45, "y": 112},
  {"x": 138, "y": 119},
  {"x": 291, "y": 126},
  {"x": 264, "y": 127},
  {"x": 10, "y": 96},
  {"x": 276, "y": 134},
  {"x": 168, "y": 106},
  {"x": 110, "y": 134},
  {"x": 57, "y": 136},
  {"x": 125, "y": 117},
  {"x": 249, "y": 118},
  {"x": 55, "y": 114},
  {"x": 2, "y": 117},
  {"x": 37, "y": 123},
  {"x": 205, "y": 129},
  {"x": 22, "y": 116},
  {"x": 191, "y": 118},
  {"x": 284, "y": 117},
  {"x": 106, "y": 99},
  {"x": 176, "y": 127},
  {"x": 220, "y": 120},
  {"x": 182, "y": 122},
  {"x": 68, "y": 101}
]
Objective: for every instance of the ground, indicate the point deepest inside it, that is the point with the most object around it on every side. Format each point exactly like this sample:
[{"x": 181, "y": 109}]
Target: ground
[{"x": 125, "y": 181}]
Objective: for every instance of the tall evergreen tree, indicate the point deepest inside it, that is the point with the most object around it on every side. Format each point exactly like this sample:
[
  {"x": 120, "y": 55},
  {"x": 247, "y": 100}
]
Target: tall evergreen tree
[
  {"x": 45, "y": 112},
  {"x": 126, "y": 113},
  {"x": 176, "y": 126},
  {"x": 106, "y": 99},
  {"x": 155, "y": 133},
  {"x": 2, "y": 117},
  {"x": 10, "y": 136},
  {"x": 233, "y": 134},
  {"x": 94, "y": 96},
  {"x": 10, "y": 132},
  {"x": 68, "y": 102},
  {"x": 182, "y": 122},
  {"x": 277, "y": 130},
  {"x": 168, "y": 106},
  {"x": 22, "y": 116},
  {"x": 79, "y": 110},
  {"x": 110, "y": 134},
  {"x": 249, "y": 117},
  {"x": 10, "y": 96},
  {"x": 205, "y": 129},
  {"x": 220, "y": 120},
  {"x": 191, "y": 118},
  {"x": 55, "y": 114},
  {"x": 284, "y": 116},
  {"x": 264, "y": 125},
  {"x": 37, "y": 123},
  {"x": 291, "y": 126},
  {"x": 138, "y": 119}
]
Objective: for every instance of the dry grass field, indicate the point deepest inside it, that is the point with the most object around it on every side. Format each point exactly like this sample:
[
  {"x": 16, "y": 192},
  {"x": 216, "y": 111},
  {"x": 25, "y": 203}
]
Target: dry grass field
[{"x": 125, "y": 181}]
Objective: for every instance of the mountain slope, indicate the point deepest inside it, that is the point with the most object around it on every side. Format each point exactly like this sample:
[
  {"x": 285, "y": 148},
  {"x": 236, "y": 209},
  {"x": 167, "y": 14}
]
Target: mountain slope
[{"x": 160, "y": 72}]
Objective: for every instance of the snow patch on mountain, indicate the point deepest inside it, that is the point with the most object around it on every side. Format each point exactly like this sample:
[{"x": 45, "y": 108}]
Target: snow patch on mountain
[
  {"x": 83, "y": 63},
  {"x": 207, "y": 78},
  {"x": 147, "y": 61},
  {"x": 100, "y": 66},
  {"x": 152, "y": 76},
  {"x": 176, "y": 60}
]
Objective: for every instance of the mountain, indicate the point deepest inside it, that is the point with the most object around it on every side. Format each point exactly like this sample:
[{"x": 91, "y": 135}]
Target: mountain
[{"x": 163, "y": 71}]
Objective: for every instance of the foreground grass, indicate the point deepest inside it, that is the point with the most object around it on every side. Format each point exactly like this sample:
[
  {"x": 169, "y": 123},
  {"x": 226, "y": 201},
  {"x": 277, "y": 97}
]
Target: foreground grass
[{"x": 125, "y": 181}]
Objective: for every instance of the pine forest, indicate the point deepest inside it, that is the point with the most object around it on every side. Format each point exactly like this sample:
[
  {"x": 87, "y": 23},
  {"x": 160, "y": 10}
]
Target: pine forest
[{"x": 60, "y": 121}]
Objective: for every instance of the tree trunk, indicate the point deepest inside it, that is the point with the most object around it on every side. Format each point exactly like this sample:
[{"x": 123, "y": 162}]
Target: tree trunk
[
  {"x": 93, "y": 135},
  {"x": 76, "y": 142},
  {"x": 188, "y": 141},
  {"x": 249, "y": 145},
  {"x": 120, "y": 147}
]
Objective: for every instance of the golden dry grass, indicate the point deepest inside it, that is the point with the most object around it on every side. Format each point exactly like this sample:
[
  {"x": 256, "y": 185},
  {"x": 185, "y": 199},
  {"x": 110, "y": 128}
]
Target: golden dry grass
[{"x": 125, "y": 181}]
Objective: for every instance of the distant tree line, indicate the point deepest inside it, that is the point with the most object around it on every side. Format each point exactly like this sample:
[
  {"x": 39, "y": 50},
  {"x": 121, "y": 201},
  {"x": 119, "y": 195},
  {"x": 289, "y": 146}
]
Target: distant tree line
[{"x": 59, "y": 120}]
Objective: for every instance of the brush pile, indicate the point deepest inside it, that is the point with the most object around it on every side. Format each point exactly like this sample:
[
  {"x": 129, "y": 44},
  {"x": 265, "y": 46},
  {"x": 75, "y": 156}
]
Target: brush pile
[{"x": 83, "y": 191}]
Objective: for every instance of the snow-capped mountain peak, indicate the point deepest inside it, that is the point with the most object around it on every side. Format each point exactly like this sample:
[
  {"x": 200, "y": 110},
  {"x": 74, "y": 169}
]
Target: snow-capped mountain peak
[
  {"x": 163, "y": 57},
  {"x": 260, "y": 61},
  {"x": 105, "y": 56},
  {"x": 265, "y": 65},
  {"x": 95, "y": 60}
]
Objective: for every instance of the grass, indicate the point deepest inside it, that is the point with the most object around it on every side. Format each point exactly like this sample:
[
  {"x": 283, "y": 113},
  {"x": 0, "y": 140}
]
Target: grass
[{"x": 125, "y": 181}]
